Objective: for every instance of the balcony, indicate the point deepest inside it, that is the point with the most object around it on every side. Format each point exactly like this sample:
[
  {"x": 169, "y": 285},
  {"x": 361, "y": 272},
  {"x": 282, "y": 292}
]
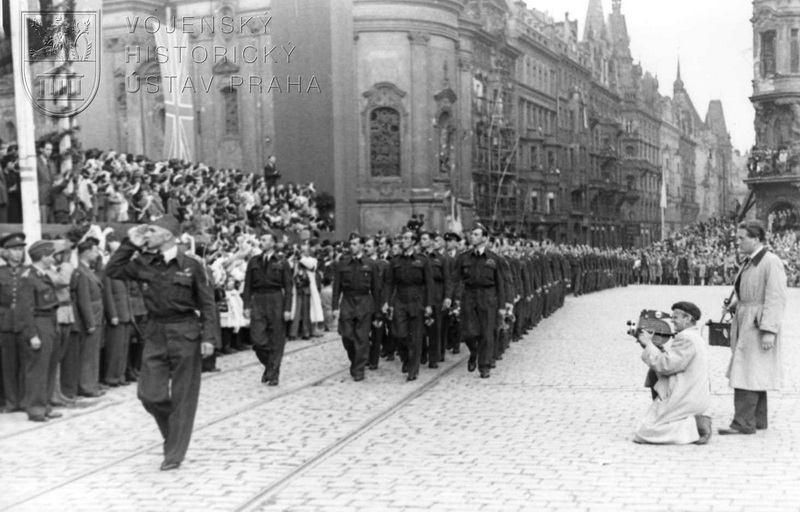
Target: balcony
[
  {"x": 774, "y": 86},
  {"x": 773, "y": 166}
]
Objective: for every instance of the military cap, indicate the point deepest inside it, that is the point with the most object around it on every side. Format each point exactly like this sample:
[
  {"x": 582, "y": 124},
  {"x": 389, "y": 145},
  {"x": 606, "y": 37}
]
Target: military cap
[
  {"x": 168, "y": 222},
  {"x": 41, "y": 248},
  {"x": 450, "y": 235},
  {"x": 688, "y": 308},
  {"x": 12, "y": 240}
]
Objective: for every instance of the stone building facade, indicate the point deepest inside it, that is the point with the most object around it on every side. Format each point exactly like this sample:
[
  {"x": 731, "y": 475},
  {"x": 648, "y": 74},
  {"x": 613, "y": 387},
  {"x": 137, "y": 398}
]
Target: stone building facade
[
  {"x": 458, "y": 110},
  {"x": 774, "y": 162}
]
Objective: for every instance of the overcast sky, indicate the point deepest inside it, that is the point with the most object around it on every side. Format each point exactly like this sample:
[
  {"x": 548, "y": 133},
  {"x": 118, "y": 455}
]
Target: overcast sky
[{"x": 713, "y": 38}]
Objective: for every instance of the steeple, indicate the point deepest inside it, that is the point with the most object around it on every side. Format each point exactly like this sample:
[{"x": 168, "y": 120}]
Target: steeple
[
  {"x": 616, "y": 6},
  {"x": 595, "y": 27},
  {"x": 678, "y": 85}
]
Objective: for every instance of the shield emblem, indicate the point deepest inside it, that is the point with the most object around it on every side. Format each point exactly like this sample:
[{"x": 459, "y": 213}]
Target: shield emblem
[{"x": 61, "y": 60}]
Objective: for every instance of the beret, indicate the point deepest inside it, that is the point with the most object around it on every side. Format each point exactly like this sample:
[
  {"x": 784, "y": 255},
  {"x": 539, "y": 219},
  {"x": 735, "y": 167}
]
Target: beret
[{"x": 689, "y": 309}]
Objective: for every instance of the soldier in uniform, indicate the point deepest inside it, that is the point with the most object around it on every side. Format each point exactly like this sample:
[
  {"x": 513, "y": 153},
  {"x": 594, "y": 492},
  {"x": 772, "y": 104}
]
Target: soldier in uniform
[
  {"x": 87, "y": 294},
  {"x": 481, "y": 292},
  {"x": 378, "y": 332},
  {"x": 432, "y": 349},
  {"x": 356, "y": 282},
  {"x": 409, "y": 288},
  {"x": 38, "y": 378},
  {"x": 16, "y": 321},
  {"x": 267, "y": 301},
  {"x": 181, "y": 329},
  {"x": 453, "y": 337}
]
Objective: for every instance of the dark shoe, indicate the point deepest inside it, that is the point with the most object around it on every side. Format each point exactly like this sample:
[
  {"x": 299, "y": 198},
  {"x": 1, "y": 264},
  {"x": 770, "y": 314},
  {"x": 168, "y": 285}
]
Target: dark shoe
[
  {"x": 53, "y": 415},
  {"x": 485, "y": 374},
  {"x": 433, "y": 365},
  {"x": 305, "y": 338},
  {"x": 405, "y": 367},
  {"x": 113, "y": 384},
  {"x": 215, "y": 370},
  {"x": 390, "y": 357},
  {"x": 703, "y": 428},
  {"x": 227, "y": 351},
  {"x": 58, "y": 403},
  {"x": 93, "y": 394},
  {"x": 441, "y": 358},
  {"x": 411, "y": 377},
  {"x": 472, "y": 364},
  {"x": 264, "y": 377},
  {"x": 168, "y": 466},
  {"x": 733, "y": 431},
  {"x": 273, "y": 382},
  {"x": 102, "y": 386},
  {"x": 423, "y": 358},
  {"x": 372, "y": 366},
  {"x": 493, "y": 365},
  {"x": 359, "y": 377},
  {"x": 38, "y": 419},
  {"x": 499, "y": 358}
]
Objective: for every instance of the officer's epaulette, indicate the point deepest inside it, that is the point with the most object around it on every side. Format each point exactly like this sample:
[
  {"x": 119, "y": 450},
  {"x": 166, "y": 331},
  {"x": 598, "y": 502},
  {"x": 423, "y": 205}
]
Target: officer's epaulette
[{"x": 26, "y": 273}]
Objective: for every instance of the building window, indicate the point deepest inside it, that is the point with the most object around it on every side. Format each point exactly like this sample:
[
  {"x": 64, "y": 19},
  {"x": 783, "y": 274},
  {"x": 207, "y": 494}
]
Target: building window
[
  {"x": 795, "y": 48},
  {"x": 768, "y": 53},
  {"x": 551, "y": 202},
  {"x": 230, "y": 101},
  {"x": 384, "y": 142},
  {"x": 535, "y": 201}
]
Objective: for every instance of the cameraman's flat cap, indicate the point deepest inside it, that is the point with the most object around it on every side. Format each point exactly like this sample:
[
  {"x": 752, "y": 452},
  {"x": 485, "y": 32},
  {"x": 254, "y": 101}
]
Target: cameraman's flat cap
[
  {"x": 170, "y": 223},
  {"x": 689, "y": 309}
]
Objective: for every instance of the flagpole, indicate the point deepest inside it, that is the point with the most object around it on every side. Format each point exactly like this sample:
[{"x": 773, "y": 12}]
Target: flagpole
[{"x": 26, "y": 135}]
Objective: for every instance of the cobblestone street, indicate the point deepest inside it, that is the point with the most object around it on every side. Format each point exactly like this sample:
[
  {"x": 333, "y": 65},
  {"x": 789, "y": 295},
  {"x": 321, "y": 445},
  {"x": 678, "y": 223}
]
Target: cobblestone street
[{"x": 550, "y": 430}]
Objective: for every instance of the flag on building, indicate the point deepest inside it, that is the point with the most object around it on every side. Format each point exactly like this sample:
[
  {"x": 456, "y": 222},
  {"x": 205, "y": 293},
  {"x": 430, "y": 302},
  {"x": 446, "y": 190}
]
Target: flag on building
[{"x": 178, "y": 98}]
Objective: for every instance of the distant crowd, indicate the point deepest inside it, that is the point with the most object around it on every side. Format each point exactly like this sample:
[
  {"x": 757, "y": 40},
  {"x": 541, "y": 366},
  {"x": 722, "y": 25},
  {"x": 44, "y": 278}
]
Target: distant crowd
[{"x": 704, "y": 253}]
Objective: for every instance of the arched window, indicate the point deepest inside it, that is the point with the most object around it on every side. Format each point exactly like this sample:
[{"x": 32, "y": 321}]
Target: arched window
[
  {"x": 384, "y": 142},
  {"x": 230, "y": 102},
  {"x": 445, "y": 142}
]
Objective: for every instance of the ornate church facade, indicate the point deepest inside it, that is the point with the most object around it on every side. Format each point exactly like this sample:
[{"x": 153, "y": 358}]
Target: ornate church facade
[{"x": 456, "y": 110}]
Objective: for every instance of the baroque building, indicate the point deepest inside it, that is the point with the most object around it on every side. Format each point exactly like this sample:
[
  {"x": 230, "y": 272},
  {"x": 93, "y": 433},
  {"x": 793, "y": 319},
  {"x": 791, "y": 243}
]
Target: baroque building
[
  {"x": 458, "y": 110},
  {"x": 774, "y": 162}
]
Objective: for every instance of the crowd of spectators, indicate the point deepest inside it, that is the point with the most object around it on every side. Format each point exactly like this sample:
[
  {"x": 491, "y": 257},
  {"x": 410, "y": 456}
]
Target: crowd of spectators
[
  {"x": 704, "y": 253},
  {"x": 107, "y": 186}
]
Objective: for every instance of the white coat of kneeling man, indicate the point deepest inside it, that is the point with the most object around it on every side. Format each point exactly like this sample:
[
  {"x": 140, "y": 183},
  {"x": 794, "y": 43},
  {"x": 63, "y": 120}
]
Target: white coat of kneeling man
[{"x": 682, "y": 396}]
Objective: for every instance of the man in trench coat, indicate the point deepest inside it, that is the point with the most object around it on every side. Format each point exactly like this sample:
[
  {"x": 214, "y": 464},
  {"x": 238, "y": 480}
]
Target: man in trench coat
[{"x": 756, "y": 344}]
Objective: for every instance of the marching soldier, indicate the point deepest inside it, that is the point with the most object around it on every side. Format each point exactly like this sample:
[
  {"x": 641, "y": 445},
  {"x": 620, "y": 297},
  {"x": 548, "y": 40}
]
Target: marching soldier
[
  {"x": 409, "y": 288},
  {"x": 267, "y": 301},
  {"x": 453, "y": 337},
  {"x": 481, "y": 292},
  {"x": 432, "y": 349},
  {"x": 182, "y": 328},
  {"x": 378, "y": 331},
  {"x": 356, "y": 282}
]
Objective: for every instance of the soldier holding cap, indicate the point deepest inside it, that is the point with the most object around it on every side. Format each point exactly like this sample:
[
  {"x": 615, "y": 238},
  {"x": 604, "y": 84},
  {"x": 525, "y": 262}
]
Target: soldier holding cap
[
  {"x": 16, "y": 321},
  {"x": 39, "y": 381},
  {"x": 182, "y": 328}
]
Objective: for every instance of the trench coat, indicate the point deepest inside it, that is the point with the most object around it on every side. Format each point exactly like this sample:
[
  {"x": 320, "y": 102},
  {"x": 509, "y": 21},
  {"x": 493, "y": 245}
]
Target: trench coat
[
  {"x": 682, "y": 387},
  {"x": 761, "y": 303}
]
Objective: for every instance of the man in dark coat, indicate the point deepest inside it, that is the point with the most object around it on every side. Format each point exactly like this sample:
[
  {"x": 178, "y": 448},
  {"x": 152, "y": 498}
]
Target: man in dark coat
[{"x": 87, "y": 294}]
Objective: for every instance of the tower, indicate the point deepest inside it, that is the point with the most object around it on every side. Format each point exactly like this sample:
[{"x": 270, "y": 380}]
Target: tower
[{"x": 774, "y": 165}]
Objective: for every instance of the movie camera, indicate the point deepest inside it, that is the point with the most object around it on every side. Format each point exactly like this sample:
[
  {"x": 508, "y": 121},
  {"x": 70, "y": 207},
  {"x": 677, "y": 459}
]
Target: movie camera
[{"x": 657, "y": 322}]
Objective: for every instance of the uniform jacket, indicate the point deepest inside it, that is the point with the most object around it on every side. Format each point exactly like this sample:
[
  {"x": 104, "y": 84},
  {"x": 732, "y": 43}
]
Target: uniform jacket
[
  {"x": 762, "y": 301},
  {"x": 682, "y": 387},
  {"x": 409, "y": 281},
  {"x": 87, "y": 294},
  {"x": 61, "y": 276},
  {"x": 16, "y": 301},
  {"x": 481, "y": 273},
  {"x": 356, "y": 282},
  {"x": 175, "y": 289},
  {"x": 271, "y": 274},
  {"x": 117, "y": 300}
]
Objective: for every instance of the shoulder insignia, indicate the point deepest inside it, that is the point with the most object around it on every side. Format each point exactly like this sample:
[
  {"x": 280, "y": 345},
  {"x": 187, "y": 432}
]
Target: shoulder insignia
[{"x": 26, "y": 273}]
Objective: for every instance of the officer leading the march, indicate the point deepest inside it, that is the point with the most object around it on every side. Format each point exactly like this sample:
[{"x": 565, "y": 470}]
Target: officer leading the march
[{"x": 182, "y": 328}]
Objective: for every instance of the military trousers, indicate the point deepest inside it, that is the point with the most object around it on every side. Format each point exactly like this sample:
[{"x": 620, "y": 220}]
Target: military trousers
[
  {"x": 268, "y": 331},
  {"x": 354, "y": 330},
  {"x": 408, "y": 329},
  {"x": 70, "y": 360},
  {"x": 478, "y": 324},
  {"x": 169, "y": 381},
  {"x": 38, "y": 383},
  {"x": 89, "y": 382},
  {"x": 14, "y": 350},
  {"x": 116, "y": 349},
  {"x": 432, "y": 344}
]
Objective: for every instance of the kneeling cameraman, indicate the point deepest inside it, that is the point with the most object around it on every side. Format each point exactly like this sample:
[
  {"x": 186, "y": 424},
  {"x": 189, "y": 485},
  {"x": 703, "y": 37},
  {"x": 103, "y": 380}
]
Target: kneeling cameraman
[{"x": 677, "y": 414}]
